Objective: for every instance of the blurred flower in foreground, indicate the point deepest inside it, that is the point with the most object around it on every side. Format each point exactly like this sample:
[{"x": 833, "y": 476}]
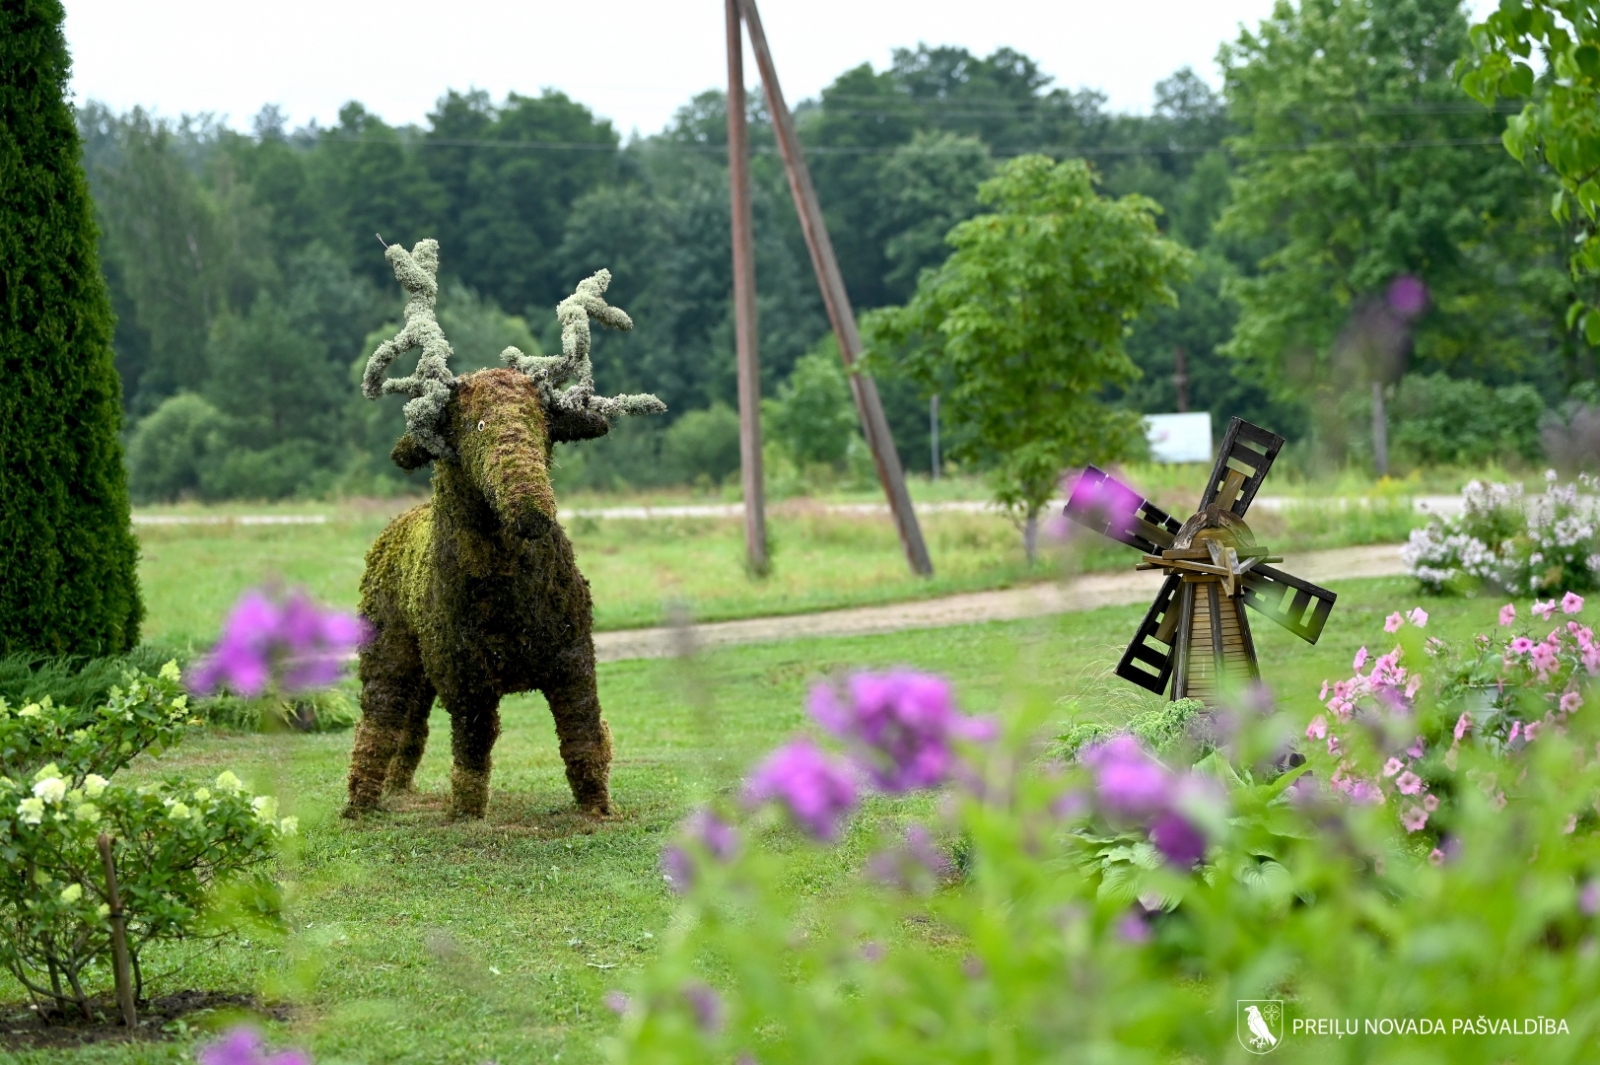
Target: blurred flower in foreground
[
  {"x": 902, "y": 725},
  {"x": 1132, "y": 785},
  {"x": 293, "y": 643},
  {"x": 244, "y": 1046},
  {"x": 702, "y": 830},
  {"x": 818, "y": 790}
]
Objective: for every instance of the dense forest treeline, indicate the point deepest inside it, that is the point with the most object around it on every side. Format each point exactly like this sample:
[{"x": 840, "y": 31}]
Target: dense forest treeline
[{"x": 249, "y": 282}]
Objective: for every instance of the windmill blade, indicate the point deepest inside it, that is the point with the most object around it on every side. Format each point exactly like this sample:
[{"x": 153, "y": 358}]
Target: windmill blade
[
  {"x": 1110, "y": 507},
  {"x": 1297, "y": 605},
  {"x": 1242, "y": 463},
  {"x": 1148, "y": 660}
]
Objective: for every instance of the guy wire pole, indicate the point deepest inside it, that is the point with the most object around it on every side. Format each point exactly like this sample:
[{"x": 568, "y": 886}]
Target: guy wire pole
[
  {"x": 119, "y": 937},
  {"x": 744, "y": 307},
  {"x": 874, "y": 426}
]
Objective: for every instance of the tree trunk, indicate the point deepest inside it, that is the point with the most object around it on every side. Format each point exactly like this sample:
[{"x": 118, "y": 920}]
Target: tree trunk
[
  {"x": 1030, "y": 535},
  {"x": 1380, "y": 432}
]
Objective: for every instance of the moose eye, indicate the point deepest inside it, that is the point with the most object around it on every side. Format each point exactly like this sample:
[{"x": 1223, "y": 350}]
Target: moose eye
[{"x": 480, "y": 425}]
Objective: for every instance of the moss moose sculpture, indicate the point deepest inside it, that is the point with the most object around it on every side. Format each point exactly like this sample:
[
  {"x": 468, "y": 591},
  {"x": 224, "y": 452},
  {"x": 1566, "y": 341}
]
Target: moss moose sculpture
[{"x": 476, "y": 594}]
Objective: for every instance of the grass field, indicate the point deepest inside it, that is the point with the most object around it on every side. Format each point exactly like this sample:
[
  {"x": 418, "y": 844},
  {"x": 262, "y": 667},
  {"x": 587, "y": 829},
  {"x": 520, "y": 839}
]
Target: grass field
[
  {"x": 822, "y": 560},
  {"x": 414, "y": 941}
]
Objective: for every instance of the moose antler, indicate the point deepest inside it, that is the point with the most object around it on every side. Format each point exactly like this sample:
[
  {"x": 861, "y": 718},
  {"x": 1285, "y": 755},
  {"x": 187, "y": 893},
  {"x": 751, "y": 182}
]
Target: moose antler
[
  {"x": 417, "y": 271},
  {"x": 551, "y": 372}
]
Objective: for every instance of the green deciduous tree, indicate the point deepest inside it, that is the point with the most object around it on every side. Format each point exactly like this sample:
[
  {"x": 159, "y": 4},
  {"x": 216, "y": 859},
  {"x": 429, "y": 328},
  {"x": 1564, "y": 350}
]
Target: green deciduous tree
[
  {"x": 67, "y": 555},
  {"x": 1025, "y": 324}
]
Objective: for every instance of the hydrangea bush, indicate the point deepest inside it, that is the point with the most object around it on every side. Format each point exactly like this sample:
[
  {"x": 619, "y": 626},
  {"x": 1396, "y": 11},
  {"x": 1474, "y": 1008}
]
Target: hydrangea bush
[
  {"x": 1118, "y": 907},
  {"x": 1546, "y": 545}
]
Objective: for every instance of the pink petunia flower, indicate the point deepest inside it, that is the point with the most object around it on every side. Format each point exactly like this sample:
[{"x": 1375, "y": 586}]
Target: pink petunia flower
[
  {"x": 1430, "y": 803},
  {"x": 1318, "y": 729},
  {"x": 1418, "y": 747},
  {"x": 1521, "y": 645},
  {"x": 1436, "y": 857},
  {"x": 1530, "y": 731},
  {"x": 1508, "y": 614},
  {"x": 1392, "y": 766},
  {"x": 1393, "y": 622},
  {"x": 1544, "y": 609},
  {"x": 1409, "y": 783},
  {"x": 1415, "y": 818},
  {"x": 1571, "y": 603},
  {"x": 1570, "y": 702},
  {"x": 1516, "y": 730},
  {"x": 1418, "y": 617},
  {"x": 1463, "y": 723},
  {"x": 1361, "y": 660},
  {"x": 1323, "y": 697}
]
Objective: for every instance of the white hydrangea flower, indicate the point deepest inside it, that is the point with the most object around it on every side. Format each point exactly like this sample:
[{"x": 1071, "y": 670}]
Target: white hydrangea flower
[
  {"x": 51, "y": 789},
  {"x": 30, "y": 811},
  {"x": 178, "y": 811},
  {"x": 94, "y": 785},
  {"x": 266, "y": 808},
  {"x": 229, "y": 783},
  {"x": 31, "y": 710},
  {"x": 202, "y": 794},
  {"x": 88, "y": 813},
  {"x": 169, "y": 672},
  {"x": 289, "y": 826},
  {"x": 103, "y": 910},
  {"x": 71, "y": 893}
]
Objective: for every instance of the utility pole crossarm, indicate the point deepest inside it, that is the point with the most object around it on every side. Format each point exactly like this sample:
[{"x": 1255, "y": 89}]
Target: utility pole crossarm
[{"x": 874, "y": 426}]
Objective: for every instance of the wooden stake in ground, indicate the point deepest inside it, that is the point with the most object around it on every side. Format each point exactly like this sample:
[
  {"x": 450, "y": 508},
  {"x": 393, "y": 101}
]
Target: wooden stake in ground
[
  {"x": 874, "y": 426},
  {"x": 119, "y": 937},
  {"x": 744, "y": 307}
]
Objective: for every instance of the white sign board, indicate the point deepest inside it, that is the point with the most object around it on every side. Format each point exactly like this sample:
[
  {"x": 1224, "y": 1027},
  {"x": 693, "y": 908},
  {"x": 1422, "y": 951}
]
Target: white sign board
[{"x": 1179, "y": 437}]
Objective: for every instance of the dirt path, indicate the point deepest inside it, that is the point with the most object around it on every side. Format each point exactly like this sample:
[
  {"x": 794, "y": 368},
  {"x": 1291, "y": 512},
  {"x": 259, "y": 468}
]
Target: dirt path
[{"x": 1037, "y": 600}]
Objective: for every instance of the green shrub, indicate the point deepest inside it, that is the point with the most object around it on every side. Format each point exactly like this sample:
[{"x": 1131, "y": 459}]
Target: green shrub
[
  {"x": 67, "y": 550},
  {"x": 1440, "y": 420},
  {"x": 1159, "y": 730},
  {"x": 324, "y": 711},
  {"x": 703, "y": 443},
  {"x": 179, "y": 848},
  {"x": 172, "y": 449},
  {"x": 813, "y": 415}
]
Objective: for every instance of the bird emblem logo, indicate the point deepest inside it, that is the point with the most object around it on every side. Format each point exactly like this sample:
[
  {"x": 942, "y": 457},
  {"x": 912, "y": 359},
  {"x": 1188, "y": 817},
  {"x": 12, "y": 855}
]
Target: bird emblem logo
[{"x": 1259, "y": 1024}]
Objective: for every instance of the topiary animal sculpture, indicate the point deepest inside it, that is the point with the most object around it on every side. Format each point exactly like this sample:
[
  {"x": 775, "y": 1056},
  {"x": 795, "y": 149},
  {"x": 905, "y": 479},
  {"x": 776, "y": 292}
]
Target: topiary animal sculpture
[{"x": 475, "y": 594}]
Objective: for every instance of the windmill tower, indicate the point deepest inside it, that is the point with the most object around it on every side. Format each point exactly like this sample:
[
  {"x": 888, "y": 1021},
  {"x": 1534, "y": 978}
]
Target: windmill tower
[{"x": 1196, "y": 635}]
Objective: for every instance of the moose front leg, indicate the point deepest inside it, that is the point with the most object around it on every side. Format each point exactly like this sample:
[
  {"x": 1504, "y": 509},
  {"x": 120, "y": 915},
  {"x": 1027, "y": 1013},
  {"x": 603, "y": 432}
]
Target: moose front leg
[
  {"x": 474, "y": 726},
  {"x": 393, "y": 685},
  {"x": 585, "y": 741}
]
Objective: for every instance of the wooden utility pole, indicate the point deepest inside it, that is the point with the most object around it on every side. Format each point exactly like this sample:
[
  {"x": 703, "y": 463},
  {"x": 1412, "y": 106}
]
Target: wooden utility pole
[
  {"x": 744, "y": 307},
  {"x": 1180, "y": 377},
  {"x": 874, "y": 426}
]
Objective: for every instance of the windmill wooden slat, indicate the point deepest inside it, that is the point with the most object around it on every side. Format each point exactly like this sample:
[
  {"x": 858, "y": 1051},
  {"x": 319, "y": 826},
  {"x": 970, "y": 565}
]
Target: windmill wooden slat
[{"x": 1196, "y": 637}]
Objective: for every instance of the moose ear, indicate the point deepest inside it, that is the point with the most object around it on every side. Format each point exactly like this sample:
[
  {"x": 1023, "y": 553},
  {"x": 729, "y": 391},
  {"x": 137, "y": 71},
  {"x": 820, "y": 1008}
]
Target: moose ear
[
  {"x": 408, "y": 454},
  {"x": 565, "y": 425}
]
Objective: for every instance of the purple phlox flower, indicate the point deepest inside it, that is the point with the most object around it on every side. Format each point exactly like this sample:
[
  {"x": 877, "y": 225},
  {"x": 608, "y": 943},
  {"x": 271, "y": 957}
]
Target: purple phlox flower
[
  {"x": 1128, "y": 781},
  {"x": 1418, "y": 617},
  {"x": 817, "y": 789},
  {"x": 707, "y": 1007},
  {"x": 1177, "y": 838},
  {"x": 1407, "y": 296},
  {"x": 1393, "y": 622},
  {"x": 1070, "y": 804},
  {"x": 901, "y": 725},
  {"x": 1102, "y": 499},
  {"x": 1544, "y": 609},
  {"x": 1571, "y": 603},
  {"x": 1589, "y": 898},
  {"x": 297, "y": 643},
  {"x": 914, "y": 865},
  {"x": 1360, "y": 660},
  {"x": 677, "y": 869},
  {"x": 972, "y": 967},
  {"x": 872, "y": 952},
  {"x": 1132, "y": 927},
  {"x": 243, "y": 1046},
  {"x": 617, "y": 1002}
]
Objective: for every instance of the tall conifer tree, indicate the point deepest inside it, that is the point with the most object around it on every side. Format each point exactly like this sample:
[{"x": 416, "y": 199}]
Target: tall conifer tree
[{"x": 67, "y": 554}]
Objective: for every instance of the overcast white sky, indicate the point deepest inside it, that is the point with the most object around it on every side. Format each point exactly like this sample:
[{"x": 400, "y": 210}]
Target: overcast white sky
[{"x": 633, "y": 61}]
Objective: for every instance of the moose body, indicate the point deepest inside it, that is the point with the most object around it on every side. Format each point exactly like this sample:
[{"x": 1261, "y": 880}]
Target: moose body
[{"x": 476, "y": 594}]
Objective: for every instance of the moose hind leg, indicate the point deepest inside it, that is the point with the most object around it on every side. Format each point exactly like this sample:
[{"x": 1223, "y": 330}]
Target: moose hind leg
[
  {"x": 413, "y": 742},
  {"x": 392, "y": 683},
  {"x": 474, "y": 727},
  {"x": 585, "y": 742}
]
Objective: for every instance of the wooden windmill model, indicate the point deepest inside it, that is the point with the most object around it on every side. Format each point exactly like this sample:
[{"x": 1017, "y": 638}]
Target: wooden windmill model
[{"x": 1195, "y": 634}]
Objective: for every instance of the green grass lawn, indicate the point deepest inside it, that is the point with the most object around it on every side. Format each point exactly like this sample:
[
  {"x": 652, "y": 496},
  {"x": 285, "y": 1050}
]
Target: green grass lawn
[
  {"x": 414, "y": 941},
  {"x": 191, "y": 574}
]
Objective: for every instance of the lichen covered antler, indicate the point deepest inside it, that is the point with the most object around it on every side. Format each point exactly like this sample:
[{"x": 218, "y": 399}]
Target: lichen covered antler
[
  {"x": 553, "y": 372},
  {"x": 430, "y": 386}
]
